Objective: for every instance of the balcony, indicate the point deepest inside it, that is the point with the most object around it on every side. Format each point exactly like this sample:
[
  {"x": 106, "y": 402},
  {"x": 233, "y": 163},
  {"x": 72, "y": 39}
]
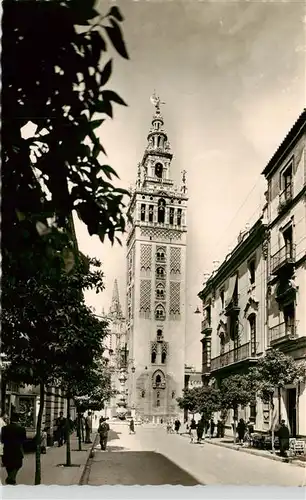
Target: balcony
[
  {"x": 285, "y": 197},
  {"x": 283, "y": 259},
  {"x": 281, "y": 333},
  {"x": 233, "y": 309},
  {"x": 241, "y": 353},
  {"x": 206, "y": 328}
]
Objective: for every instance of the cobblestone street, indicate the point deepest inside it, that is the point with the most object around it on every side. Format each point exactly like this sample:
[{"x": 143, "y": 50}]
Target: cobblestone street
[{"x": 152, "y": 456}]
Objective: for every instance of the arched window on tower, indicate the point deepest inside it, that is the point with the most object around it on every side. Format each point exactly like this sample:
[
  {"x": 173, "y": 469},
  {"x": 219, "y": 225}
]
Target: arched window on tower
[
  {"x": 160, "y": 273},
  {"x": 160, "y": 291},
  {"x": 159, "y": 312},
  {"x": 143, "y": 212},
  {"x": 163, "y": 357},
  {"x": 153, "y": 357},
  {"x": 161, "y": 210},
  {"x": 171, "y": 216},
  {"x": 158, "y": 380},
  {"x": 151, "y": 213},
  {"x": 159, "y": 335},
  {"x": 179, "y": 216},
  {"x": 160, "y": 255},
  {"x": 159, "y": 170}
]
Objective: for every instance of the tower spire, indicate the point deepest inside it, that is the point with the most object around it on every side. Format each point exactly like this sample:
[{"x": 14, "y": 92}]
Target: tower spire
[{"x": 115, "y": 307}]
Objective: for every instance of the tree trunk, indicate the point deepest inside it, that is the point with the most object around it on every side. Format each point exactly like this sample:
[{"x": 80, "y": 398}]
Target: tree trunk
[
  {"x": 79, "y": 431},
  {"x": 272, "y": 427},
  {"x": 68, "y": 450},
  {"x": 279, "y": 404},
  {"x": 235, "y": 424},
  {"x": 38, "y": 434}
]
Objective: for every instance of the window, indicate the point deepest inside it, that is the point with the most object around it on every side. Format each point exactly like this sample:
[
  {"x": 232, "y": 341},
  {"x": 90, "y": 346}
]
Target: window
[
  {"x": 159, "y": 312},
  {"x": 179, "y": 216},
  {"x": 208, "y": 315},
  {"x": 163, "y": 358},
  {"x": 222, "y": 298},
  {"x": 143, "y": 393},
  {"x": 252, "y": 324},
  {"x": 159, "y": 170},
  {"x": 171, "y": 216},
  {"x": 160, "y": 292},
  {"x": 288, "y": 239},
  {"x": 286, "y": 182},
  {"x": 159, "y": 335},
  {"x": 160, "y": 255},
  {"x": 157, "y": 402},
  {"x": 153, "y": 357},
  {"x": 151, "y": 212},
  {"x": 160, "y": 272},
  {"x": 158, "y": 380},
  {"x": 289, "y": 317},
  {"x": 161, "y": 210},
  {"x": 251, "y": 267},
  {"x": 143, "y": 212}
]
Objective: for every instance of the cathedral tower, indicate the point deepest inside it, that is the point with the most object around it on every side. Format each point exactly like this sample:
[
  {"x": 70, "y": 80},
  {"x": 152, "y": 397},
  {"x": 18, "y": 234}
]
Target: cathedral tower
[{"x": 156, "y": 281}]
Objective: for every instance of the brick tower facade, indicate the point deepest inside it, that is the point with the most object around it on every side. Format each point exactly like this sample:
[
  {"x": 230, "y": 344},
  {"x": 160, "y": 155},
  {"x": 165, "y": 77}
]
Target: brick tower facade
[{"x": 156, "y": 281}]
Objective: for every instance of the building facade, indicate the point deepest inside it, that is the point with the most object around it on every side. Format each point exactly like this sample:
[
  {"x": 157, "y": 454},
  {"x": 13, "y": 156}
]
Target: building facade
[
  {"x": 116, "y": 353},
  {"x": 156, "y": 279},
  {"x": 256, "y": 298},
  {"x": 233, "y": 328},
  {"x": 286, "y": 293}
]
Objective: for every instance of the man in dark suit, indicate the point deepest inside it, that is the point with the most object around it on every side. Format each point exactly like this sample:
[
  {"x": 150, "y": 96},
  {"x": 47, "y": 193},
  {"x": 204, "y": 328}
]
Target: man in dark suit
[{"x": 13, "y": 437}]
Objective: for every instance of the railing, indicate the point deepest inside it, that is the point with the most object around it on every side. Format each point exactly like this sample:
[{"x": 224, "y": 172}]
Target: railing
[
  {"x": 284, "y": 256},
  {"x": 233, "y": 305},
  {"x": 282, "y": 331},
  {"x": 205, "y": 368},
  {"x": 285, "y": 196},
  {"x": 235, "y": 355},
  {"x": 205, "y": 325}
]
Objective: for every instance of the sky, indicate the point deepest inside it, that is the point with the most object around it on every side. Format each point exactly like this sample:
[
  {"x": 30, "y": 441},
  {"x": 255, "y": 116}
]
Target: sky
[{"x": 232, "y": 75}]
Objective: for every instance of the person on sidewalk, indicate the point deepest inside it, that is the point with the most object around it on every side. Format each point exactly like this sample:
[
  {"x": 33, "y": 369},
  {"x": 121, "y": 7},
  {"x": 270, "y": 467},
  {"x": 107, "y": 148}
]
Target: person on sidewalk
[
  {"x": 88, "y": 428},
  {"x": 132, "y": 426},
  {"x": 212, "y": 427},
  {"x": 13, "y": 437},
  {"x": 43, "y": 440},
  {"x": 241, "y": 428},
  {"x": 103, "y": 431},
  {"x": 193, "y": 428},
  {"x": 177, "y": 425},
  {"x": 61, "y": 426},
  {"x": 3, "y": 423},
  {"x": 283, "y": 434},
  {"x": 200, "y": 429}
]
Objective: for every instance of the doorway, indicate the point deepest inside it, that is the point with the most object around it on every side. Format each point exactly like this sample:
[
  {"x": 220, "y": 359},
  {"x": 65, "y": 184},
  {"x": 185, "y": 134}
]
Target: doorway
[{"x": 291, "y": 408}]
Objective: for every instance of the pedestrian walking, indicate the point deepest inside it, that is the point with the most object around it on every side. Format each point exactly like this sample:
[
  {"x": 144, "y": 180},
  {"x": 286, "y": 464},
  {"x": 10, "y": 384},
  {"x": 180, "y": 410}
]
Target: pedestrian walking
[
  {"x": 3, "y": 423},
  {"x": 103, "y": 431},
  {"x": 241, "y": 428},
  {"x": 169, "y": 427},
  {"x": 200, "y": 429},
  {"x": 193, "y": 428},
  {"x": 132, "y": 426},
  {"x": 212, "y": 427},
  {"x": 177, "y": 425},
  {"x": 283, "y": 434},
  {"x": 43, "y": 440},
  {"x": 219, "y": 423},
  {"x": 13, "y": 437},
  {"x": 88, "y": 428},
  {"x": 60, "y": 429}
]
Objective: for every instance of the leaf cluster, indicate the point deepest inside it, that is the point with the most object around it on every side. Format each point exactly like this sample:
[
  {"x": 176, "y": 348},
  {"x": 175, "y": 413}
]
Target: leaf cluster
[
  {"x": 237, "y": 390},
  {"x": 204, "y": 400}
]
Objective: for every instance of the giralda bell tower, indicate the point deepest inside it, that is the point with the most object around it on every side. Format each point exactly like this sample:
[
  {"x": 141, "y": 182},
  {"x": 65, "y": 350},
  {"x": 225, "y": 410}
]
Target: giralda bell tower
[{"x": 156, "y": 281}]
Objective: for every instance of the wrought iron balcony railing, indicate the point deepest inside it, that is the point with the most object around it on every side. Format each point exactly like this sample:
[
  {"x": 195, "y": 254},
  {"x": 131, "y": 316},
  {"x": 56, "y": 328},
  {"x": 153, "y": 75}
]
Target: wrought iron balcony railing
[
  {"x": 241, "y": 353},
  {"x": 233, "y": 306},
  {"x": 282, "y": 331},
  {"x": 282, "y": 258}
]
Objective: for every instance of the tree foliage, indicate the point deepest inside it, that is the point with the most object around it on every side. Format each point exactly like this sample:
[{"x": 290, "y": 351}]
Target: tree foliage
[
  {"x": 55, "y": 72},
  {"x": 203, "y": 400},
  {"x": 274, "y": 371},
  {"x": 237, "y": 390}
]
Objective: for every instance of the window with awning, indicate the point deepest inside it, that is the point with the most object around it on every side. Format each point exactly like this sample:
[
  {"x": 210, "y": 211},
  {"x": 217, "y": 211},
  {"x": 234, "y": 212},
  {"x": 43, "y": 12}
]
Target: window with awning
[{"x": 231, "y": 289}]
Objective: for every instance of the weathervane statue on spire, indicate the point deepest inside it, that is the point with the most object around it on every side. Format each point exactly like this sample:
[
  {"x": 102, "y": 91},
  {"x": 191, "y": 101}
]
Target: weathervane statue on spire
[{"x": 155, "y": 100}]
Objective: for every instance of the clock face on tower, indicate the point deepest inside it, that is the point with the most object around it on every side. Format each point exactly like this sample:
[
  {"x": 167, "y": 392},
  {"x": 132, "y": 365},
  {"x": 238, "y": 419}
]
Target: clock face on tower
[{"x": 159, "y": 170}]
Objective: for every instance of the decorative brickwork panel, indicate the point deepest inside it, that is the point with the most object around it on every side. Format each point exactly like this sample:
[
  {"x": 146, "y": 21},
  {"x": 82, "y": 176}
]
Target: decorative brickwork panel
[
  {"x": 145, "y": 257},
  {"x": 175, "y": 299},
  {"x": 160, "y": 234},
  {"x": 145, "y": 298},
  {"x": 175, "y": 260}
]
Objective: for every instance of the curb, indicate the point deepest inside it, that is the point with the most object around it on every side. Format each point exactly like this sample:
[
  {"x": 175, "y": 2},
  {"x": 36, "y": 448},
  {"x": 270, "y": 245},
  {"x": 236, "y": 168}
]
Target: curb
[
  {"x": 296, "y": 463},
  {"x": 85, "y": 469}
]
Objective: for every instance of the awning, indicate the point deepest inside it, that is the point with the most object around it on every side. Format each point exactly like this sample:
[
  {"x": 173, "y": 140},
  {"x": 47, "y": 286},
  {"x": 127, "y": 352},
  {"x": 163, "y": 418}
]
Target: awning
[{"x": 231, "y": 289}]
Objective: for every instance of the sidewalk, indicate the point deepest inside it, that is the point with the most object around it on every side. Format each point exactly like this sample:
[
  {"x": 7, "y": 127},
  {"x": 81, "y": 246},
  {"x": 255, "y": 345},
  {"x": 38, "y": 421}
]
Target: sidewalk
[
  {"x": 227, "y": 442},
  {"x": 52, "y": 470}
]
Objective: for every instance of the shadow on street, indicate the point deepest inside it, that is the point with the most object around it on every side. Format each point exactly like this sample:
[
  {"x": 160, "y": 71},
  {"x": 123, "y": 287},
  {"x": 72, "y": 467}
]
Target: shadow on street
[{"x": 137, "y": 467}]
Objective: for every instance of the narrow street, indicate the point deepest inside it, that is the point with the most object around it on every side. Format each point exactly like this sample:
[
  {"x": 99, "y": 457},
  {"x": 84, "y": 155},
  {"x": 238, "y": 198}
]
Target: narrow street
[{"x": 152, "y": 456}]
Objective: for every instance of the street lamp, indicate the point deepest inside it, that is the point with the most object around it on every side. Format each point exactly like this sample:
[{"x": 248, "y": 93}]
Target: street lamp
[{"x": 197, "y": 311}]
